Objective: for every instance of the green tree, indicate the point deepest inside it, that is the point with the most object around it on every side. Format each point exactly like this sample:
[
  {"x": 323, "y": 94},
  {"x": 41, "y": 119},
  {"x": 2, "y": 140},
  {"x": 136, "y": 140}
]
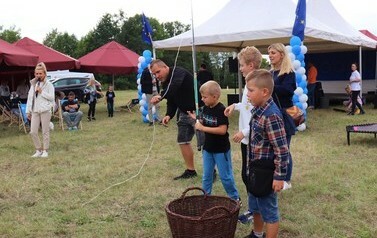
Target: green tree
[{"x": 10, "y": 35}]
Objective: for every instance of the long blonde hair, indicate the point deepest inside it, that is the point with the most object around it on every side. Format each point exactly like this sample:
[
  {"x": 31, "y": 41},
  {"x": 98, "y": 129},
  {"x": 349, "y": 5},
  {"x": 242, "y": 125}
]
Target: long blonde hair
[{"x": 286, "y": 65}]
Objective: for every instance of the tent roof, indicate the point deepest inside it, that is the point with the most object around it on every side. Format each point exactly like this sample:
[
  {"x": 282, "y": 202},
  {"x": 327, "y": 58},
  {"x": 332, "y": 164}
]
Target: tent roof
[
  {"x": 11, "y": 55},
  {"x": 53, "y": 59},
  {"x": 260, "y": 23},
  {"x": 111, "y": 58}
]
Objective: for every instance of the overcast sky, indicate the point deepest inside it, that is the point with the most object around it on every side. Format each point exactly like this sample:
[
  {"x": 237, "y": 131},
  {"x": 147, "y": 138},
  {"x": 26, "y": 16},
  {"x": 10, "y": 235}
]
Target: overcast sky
[{"x": 37, "y": 18}]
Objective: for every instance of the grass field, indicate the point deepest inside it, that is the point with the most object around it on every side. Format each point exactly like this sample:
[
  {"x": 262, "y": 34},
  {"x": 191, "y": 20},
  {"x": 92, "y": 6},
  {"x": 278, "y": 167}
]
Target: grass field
[{"x": 90, "y": 186}]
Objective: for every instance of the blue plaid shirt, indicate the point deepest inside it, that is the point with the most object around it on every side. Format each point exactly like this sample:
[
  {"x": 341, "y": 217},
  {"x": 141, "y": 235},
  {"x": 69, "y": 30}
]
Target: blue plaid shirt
[{"x": 267, "y": 139}]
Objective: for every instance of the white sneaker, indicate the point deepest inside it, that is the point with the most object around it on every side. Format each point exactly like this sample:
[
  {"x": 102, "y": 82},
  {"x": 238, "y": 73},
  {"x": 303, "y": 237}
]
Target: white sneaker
[
  {"x": 37, "y": 154},
  {"x": 44, "y": 154},
  {"x": 287, "y": 185}
]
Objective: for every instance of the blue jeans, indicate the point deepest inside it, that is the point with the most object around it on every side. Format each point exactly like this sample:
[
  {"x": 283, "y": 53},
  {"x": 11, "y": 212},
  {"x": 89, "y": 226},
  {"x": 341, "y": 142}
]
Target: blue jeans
[
  {"x": 266, "y": 206},
  {"x": 223, "y": 161}
]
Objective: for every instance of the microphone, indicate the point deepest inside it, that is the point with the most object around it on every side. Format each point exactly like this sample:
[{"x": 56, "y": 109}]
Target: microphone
[{"x": 36, "y": 90}]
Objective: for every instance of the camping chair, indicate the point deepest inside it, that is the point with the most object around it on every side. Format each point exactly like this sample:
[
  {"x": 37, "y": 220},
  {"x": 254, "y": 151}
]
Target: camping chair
[
  {"x": 7, "y": 114},
  {"x": 23, "y": 122},
  {"x": 131, "y": 104},
  {"x": 60, "y": 115}
]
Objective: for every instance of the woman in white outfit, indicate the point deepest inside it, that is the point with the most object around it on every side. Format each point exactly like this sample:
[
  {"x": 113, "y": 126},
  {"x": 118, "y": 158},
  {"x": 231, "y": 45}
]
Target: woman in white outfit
[{"x": 38, "y": 108}]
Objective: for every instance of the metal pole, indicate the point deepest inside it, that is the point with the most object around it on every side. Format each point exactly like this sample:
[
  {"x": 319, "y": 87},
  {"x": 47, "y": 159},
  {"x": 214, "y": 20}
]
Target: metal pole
[{"x": 361, "y": 70}]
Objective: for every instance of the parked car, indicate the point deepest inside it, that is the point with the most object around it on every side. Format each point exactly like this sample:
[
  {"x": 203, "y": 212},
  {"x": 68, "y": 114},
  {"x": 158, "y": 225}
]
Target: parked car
[{"x": 66, "y": 81}]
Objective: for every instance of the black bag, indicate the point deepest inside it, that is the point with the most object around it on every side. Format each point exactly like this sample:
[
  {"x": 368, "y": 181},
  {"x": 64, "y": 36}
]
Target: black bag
[{"x": 261, "y": 175}]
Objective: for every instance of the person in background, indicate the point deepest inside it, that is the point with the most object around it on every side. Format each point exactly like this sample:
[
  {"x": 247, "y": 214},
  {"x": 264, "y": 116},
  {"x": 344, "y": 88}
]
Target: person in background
[
  {"x": 22, "y": 90},
  {"x": 284, "y": 87},
  {"x": 4, "y": 93},
  {"x": 38, "y": 108},
  {"x": 203, "y": 76},
  {"x": 110, "y": 96},
  {"x": 92, "y": 91},
  {"x": 178, "y": 84},
  {"x": 355, "y": 81},
  {"x": 71, "y": 113},
  {"x": 348, "y": 103},
  {"x": 216, "y": 148},
  {"x": 149, "y": 86},
  {"x": 312, "y": 80},
  {"x": 268, "y": 147},
  {"x": 249, "y": 59}
]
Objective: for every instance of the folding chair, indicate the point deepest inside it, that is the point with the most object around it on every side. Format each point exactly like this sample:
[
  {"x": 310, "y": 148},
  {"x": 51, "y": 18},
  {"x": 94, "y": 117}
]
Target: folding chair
[
  {"x": 23, "y": 122},
  {"x": 131, "y": 104},
  {"x": 7, "y": 114},
  {"x": 60, "y": 115}
]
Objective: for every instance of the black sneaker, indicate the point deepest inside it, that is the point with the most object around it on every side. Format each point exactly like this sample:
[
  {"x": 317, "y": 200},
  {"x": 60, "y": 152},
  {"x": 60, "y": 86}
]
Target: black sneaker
[
  {"x": 93, "y": 118},
  {"x": 187, "y": 174}
]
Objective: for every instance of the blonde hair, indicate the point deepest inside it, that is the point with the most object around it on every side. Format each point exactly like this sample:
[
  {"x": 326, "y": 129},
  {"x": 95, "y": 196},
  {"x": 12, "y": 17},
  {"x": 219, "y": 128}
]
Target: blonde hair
[
  {"x": 211, "y": 87},
  {"x": 286, "y": 64},
  {"x": 262, "y": 79},
  {"x": 250, "y": 54},
  {"x": 41, "y": 66}
]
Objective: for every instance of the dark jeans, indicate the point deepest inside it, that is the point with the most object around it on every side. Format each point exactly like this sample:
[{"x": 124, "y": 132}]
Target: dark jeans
[
  {"x": 244, "y": 163},
  {"x": 110, "y": 108},
  {"x": 355, "y": 103},
  {"x": 92, "y": 109},
  {"x": 290, "y": 161},
  {"x": 311, "y": 92}
]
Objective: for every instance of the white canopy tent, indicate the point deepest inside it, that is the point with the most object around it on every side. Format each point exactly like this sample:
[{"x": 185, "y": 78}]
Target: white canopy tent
[{"x": 260, "y": 23}]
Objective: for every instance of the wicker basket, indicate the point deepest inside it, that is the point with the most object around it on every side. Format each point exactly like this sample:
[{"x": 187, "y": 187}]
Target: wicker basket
[{"x": 204, "y": 216}]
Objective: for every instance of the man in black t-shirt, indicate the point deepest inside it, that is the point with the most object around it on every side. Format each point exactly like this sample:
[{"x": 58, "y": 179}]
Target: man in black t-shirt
[{"x": 178, "y": 90}]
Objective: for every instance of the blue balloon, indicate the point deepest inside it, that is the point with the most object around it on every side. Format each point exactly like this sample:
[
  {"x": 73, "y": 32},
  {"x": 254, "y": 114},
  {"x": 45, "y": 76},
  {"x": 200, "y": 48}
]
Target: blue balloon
[
  {"x": 296, "y": 50},
  {"x": 295, "y": 98},
  {"x": 295, "y": 40},
  {"x": 146, "y": 106},
  {"x": 303, "y": 64},
  {"x": 140, "y": 70},
  {"x": 144, "y": 65},
  {"x": 299, "y": 104},
  {"x": 148, "y": 60},
  {"x": 145, "y": 120},
  {"x": 300, "y": 57},
  {"x": 303, "y": 84},
  {"x": 147, "y": 54},
  {"x": 306, "y": 90},
  {"x": 298, "y": 78},
  {"x": 138, "y": 76}
]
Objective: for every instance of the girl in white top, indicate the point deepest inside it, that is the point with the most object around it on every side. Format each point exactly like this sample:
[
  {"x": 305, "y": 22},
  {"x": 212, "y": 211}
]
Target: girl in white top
[
  {"x": 355, "y": 81},
  {"x": 38, "y": 108}
]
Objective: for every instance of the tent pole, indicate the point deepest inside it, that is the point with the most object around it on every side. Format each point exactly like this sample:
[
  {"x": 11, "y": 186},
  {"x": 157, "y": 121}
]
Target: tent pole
[
  {"x": 361, "y": 69},
  {"x": 113, "y": 83}
]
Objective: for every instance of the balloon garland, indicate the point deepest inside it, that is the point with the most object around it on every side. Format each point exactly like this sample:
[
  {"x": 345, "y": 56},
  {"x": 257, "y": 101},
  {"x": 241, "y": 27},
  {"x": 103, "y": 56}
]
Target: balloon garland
[
  {"x": 296, "y": 51},
  {"x": 144, "y": 61}
]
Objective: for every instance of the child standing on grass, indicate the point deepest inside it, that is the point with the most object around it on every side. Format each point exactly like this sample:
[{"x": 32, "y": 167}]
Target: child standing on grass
[
  {"x": 110, "y": 95},
  {"x": 268, "y": 154},
  {"x": 250, "y": 59},
  {"x": 216, "y": 149}
]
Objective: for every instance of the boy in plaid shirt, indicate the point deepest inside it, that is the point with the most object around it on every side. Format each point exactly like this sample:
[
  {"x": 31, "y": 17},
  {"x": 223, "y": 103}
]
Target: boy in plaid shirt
[{"x": 267, "y": 142}]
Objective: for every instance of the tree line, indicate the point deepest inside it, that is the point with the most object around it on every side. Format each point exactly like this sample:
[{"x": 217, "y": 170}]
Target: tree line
[{"x": 127, "y": 31}]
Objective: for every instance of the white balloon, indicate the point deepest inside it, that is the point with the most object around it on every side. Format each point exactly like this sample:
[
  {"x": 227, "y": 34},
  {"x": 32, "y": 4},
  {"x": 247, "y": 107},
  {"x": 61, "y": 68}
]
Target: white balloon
[
  {"x": 296, "y": 64},
  {"x": 303, "y": 98},
  {"x": 144, "y": 97},
  {"x": 141, "y": 108},
  {"x": 304, "y": 77},
  {"x": 139, "y": 87},
  {"x": 304, "y": 49},
  {"x": 301, "y": 70},
  {"x": 138, "y": 65},
  {"x": 301, "y": 127},
  {"x": 147, "y": 117},
  {"x": 299, "y": 91},
  {"x": 292, "y": 56},
  {"x": 288, "y": 48},
  {"x": 141, "y": 59},
  {"x": 138, "y": 81},
  {"x": 304, "y": 105},
  {"x": 142, "y": 102}
]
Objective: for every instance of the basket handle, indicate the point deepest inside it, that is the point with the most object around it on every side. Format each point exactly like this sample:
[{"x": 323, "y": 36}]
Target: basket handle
[
  {"x": 193, "y": 188},
  {"x": 213, "y": 209}
]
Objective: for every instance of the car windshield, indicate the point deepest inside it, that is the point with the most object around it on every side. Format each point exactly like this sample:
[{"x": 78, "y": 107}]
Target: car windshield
[{"x": 70, "y": 81}]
